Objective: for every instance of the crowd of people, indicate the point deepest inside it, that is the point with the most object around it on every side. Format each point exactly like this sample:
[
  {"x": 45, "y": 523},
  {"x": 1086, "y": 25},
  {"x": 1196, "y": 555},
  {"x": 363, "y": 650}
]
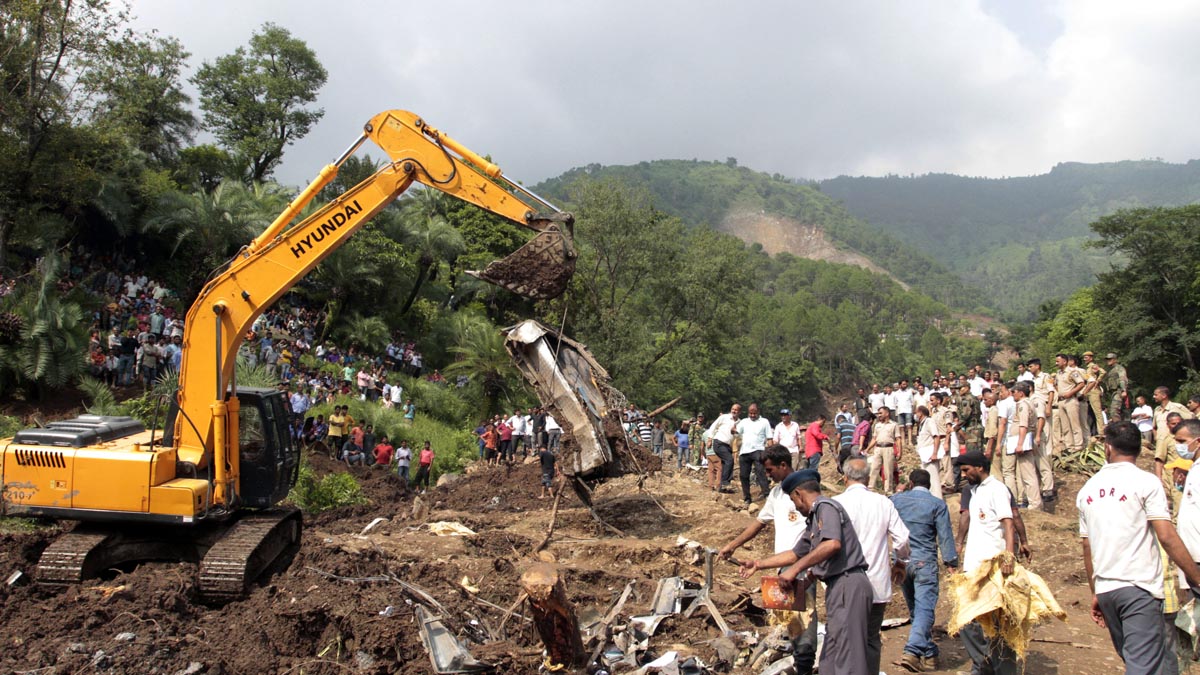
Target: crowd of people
[{"x": 995, "y": 440}]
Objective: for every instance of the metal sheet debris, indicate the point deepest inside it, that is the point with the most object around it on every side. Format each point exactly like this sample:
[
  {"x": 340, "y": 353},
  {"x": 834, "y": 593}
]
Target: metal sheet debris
[{"x": 447, "y": 654}]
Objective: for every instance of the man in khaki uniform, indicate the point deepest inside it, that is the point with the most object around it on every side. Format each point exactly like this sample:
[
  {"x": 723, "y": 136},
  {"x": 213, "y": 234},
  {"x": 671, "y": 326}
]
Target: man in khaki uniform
[
  {"x": 1043, "y": 394},
  {"x": 1116, "y": 385},
  {"x": 887, "y": 443},
  {"x": 1023, "y": 430},
  {"x": 1068, "y": 382},
  {"x": 1094, "y": 391},
  {"x": 1164, "y": 440},
  {"x": 990, "y": 429},
  {"x": 1084, "y": 427}
]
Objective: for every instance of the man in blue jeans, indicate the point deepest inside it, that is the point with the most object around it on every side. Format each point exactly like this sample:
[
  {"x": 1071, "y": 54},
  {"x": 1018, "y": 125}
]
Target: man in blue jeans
[{"x": 928, "y": 522}]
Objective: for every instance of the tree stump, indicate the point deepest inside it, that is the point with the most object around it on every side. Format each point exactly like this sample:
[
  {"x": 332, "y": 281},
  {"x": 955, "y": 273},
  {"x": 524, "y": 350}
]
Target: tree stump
[{"x": 553, "y": 615}]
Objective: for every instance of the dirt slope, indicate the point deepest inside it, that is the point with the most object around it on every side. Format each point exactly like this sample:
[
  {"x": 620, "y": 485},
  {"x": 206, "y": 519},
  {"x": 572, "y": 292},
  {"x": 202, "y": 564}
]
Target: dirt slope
[{"x": 779, "y": 234}]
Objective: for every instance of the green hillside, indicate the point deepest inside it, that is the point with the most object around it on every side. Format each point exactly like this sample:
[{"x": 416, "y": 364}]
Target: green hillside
[
  {"x": 702, "y": 193},
  {"x": 1015, "y": 238}
]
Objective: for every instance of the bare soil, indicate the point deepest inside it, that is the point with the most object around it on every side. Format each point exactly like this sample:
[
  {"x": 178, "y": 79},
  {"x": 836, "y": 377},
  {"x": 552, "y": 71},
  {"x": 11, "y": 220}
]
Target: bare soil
[{"x": 328, "y": 611}]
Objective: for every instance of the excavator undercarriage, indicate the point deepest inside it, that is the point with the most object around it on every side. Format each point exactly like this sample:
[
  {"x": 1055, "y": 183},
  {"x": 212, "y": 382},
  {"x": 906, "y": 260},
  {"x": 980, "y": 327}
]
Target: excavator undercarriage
[{"x": 230, "y": 555}]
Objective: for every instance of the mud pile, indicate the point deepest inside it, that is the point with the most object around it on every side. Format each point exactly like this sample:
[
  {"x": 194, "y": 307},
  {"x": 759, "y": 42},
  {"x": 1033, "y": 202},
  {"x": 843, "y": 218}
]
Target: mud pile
[{"x": 328, "y": 611}]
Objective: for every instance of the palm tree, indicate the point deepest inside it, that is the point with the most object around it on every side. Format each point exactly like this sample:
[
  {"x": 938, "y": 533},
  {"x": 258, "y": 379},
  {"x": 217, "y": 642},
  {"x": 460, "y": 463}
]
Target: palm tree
[
  {"x": 47, "y": 346},
  {"x": 481, "y": 355},
  {"x": 216, "y": 224},
  {"x": 336, "y": 277},
  {"x": 434, "y": 240},
  {"x": 368, "y": 332}
]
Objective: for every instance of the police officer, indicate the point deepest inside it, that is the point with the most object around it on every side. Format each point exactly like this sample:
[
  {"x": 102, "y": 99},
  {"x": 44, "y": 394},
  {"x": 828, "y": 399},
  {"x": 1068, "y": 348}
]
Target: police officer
[
  {"x": 1116, "y": 384},
  {"x": 1068, "y": 382},
  {"x": 829, "y": 550},
  {"x": 1094, "y": 393}
]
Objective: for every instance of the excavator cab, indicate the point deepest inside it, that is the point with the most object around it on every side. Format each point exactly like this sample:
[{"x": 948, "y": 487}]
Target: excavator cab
[{"x": 270, "y": 459}]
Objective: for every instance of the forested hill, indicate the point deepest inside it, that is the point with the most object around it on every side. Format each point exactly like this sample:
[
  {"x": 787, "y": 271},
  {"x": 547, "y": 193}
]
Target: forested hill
[
  {"x": 723, "y": 195},
  {"x": 1017, "y": 238}
]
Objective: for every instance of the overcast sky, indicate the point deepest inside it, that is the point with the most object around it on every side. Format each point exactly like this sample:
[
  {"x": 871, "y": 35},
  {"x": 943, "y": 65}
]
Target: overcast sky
[{"x": 809, "y": 89}]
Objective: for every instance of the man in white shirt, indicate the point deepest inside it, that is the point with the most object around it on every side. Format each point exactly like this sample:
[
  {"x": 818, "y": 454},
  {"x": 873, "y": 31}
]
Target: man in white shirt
[
  {"x": 990, "y": 535},
  {"x": 1023, "y": 375},
  {"x": 928, "y": 442},
  {"x": 517, "y": 424},
  {"x": 1123, "y": 518},
  {"x": 780, "y": 511},
  {"x": 881, "y": 533},
  {"x": 787, "y": 433},
  {"x": 1187, "y": 442},
  {"x": 755, "y": 432},
  {"x": 904, "y": 407},
  {"x": 721, "y": 434},
  {"x": 1005, "y": 458},
  {"x": 889, "y": 397},
  {"x": 978, "y": 384},
  {"x": 920, "y": 398},
  {"x": 876, "y": 398}
]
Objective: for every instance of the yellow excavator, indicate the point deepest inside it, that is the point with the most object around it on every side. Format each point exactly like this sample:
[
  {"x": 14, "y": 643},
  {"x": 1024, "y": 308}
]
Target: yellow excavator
[{"x": 208, "y": 487}]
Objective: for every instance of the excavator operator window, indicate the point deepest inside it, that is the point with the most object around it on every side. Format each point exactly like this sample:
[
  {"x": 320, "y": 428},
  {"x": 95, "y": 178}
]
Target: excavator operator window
[{"x": 251, "y": 433}]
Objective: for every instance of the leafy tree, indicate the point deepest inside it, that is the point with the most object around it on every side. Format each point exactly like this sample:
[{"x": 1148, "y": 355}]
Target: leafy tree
[
  {"x": 1149, "y": 307},
  {"x": 204, "y": 167},
  {"x": 142, "y": 96},
  {"x": 257, "y": 100},
  {"x": 48, "y": 163},
  {"x": 339, "y": 276},
  {"x": 933, "y": 345},
  {"x": 367, "y": 332}
]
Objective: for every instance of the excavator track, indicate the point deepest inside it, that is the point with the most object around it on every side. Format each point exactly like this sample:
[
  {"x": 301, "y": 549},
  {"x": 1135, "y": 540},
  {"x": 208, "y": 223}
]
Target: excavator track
[
  {"x": 67, "y": 561},
  {"x": 245, "y": 551}
]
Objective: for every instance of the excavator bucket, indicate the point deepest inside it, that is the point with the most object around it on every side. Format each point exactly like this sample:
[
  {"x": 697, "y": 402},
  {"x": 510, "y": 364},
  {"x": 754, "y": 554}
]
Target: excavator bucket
[{"x": 542, "y": 267}]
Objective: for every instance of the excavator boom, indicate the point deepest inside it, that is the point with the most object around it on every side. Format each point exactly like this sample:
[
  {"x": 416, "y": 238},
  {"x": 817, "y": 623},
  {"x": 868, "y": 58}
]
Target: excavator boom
[{"x": 284, "y": 253}]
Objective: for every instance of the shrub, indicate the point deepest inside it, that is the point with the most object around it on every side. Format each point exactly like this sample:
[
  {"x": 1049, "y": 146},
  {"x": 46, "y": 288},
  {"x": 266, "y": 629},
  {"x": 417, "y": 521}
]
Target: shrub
[{"x": 313, "y": 495}]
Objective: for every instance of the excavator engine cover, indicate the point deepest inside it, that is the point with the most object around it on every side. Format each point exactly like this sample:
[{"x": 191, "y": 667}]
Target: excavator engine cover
[{"x": 542, "y": 268}]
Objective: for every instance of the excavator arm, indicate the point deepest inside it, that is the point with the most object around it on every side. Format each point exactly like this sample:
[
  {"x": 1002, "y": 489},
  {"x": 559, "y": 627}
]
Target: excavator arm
[{"x": 206, "y": 427}]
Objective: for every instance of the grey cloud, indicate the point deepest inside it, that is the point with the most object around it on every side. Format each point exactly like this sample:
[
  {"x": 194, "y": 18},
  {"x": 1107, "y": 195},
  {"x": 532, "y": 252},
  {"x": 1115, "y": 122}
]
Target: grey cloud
[{"x": 808, "y": 89}]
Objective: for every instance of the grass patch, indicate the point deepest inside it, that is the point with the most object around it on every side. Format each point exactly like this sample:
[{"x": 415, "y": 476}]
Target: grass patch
[{"x": 18, "y": 525}]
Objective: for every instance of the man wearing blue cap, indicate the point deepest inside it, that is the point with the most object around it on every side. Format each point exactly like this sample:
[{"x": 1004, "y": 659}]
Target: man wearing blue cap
[
  {"x": 828, "y": 550},
  {"x": 780, "y": 511}
]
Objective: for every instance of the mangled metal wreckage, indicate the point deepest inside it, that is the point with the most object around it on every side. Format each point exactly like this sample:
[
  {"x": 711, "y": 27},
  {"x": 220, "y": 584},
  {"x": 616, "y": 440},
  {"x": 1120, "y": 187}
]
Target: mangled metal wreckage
[{"x": 575, "y": 389}]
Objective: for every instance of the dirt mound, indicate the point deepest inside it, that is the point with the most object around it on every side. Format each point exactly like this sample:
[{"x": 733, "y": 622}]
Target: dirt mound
[{"x": 328, "y": 611}]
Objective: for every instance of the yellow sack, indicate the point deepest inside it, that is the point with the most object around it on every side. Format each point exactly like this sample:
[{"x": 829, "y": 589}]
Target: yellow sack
[{"x": 1006, "y": 606}]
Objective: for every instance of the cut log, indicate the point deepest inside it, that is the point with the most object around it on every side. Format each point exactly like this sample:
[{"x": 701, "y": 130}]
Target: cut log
[
  {"x": 664, "y": 407},
  {"x": 553, "y": 615}
]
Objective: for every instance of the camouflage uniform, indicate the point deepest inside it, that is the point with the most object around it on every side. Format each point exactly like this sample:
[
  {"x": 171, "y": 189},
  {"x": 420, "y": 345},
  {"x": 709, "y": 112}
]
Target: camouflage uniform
[
  {"x": 970, "y": 420},
  {"x": 1116, "y": 383},
  {"x": 696, "y": 442}
]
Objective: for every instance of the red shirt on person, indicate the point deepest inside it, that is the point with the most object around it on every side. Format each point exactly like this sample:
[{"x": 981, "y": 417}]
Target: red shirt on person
[
  {"x": 813, "y": 437},
  {"x": 383, "y": 453},
  {"x": 426, "y": 457}
]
